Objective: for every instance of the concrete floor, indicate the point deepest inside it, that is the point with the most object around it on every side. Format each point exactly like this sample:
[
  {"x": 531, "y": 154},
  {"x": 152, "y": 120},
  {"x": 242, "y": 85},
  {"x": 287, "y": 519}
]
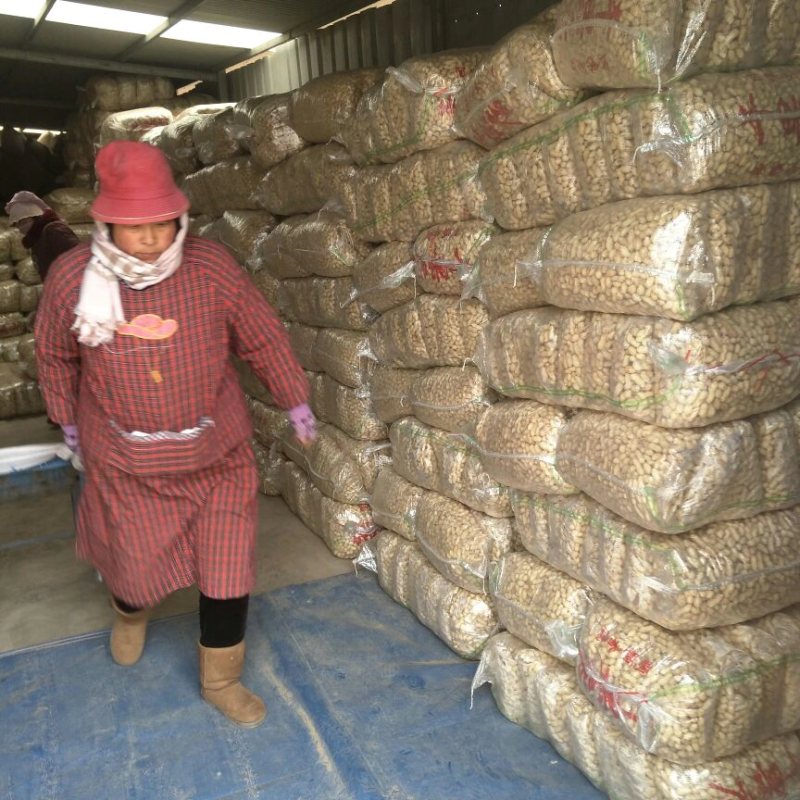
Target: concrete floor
[{"x": 47, "y": 594}]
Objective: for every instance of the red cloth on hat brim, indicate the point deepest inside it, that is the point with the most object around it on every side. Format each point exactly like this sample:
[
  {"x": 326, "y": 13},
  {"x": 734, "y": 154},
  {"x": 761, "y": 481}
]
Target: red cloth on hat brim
[{"x": 127, "y": 211}]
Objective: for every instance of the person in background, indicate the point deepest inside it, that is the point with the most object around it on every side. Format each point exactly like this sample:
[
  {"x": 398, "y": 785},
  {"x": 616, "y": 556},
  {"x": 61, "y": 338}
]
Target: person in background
[
  {"x": 134, "y": 335},
  {"x": 46, "y": 234}
]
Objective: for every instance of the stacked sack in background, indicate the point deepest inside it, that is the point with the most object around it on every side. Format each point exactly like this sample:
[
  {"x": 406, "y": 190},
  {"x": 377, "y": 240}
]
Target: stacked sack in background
[
  {"x": 20, "y": 290},
  {"x": 118, "y": 107},
  {"x": 652, "y": 621},
  {"x": 258, "y": 182},
  {"x": 448, "y": 521},
  {"x": 311, "y": 255}
]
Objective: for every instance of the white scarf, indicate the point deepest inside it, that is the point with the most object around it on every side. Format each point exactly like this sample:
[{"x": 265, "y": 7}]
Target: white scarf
[{"x": 99, "y": 310}]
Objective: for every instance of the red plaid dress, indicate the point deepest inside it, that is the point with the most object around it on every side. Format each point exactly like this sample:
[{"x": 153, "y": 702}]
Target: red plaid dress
[{"x": 171, "y": 485}]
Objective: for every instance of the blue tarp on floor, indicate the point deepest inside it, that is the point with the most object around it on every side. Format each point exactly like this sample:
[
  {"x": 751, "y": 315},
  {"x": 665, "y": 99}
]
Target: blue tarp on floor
[{"x": 364, "y": 704}]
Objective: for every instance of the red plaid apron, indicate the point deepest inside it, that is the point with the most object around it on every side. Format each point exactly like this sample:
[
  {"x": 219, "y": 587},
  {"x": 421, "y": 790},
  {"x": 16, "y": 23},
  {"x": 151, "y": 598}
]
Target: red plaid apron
[{"x": 170, "y": 496}]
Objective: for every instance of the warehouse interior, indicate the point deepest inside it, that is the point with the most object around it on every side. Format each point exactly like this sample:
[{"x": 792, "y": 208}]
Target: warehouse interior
[{"x": 537, "y": 267}]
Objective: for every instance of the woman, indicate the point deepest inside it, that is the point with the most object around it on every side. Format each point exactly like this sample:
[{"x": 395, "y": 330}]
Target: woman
[
  {"x": 47, "y": 236},
  {"x": 133, "y": 335}
]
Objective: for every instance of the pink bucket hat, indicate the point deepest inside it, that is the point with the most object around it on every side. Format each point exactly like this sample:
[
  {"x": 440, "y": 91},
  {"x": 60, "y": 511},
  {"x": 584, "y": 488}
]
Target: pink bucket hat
[
  {"x": 136, "y": 185},
  {"x": 24, "y": 205}
]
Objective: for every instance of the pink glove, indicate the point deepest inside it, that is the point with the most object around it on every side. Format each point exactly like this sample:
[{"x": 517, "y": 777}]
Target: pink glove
[
  {"x": 71, "y": 439},
  {"x": 304, "y": 423}
]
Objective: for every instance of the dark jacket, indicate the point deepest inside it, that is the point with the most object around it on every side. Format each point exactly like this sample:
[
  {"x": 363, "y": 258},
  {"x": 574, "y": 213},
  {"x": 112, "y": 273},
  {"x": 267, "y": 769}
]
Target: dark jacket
[{"x": 48, "y": 238}]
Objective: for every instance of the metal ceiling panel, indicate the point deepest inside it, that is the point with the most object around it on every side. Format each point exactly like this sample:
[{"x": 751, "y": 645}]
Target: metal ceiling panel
[
  {"x": 13, "y": 30},
  {"x": 188, "y": 55},
  {"x": 268, "y": 15},
  {"x": 57, "y": 37},
  {"x": 162, "y": 8}
]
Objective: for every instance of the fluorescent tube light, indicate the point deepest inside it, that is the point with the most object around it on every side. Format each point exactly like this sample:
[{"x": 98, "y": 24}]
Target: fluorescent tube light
[
  {"x": 21, "y": 8},
  {"x": 224, "y": 35},
  {"x": 110, "y": 19}
]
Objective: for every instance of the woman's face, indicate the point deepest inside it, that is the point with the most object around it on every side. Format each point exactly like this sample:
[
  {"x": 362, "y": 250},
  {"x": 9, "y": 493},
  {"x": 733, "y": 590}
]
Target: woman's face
[
  {"x": 24, "y": 225},
  {"x": 146, "y": 241}
]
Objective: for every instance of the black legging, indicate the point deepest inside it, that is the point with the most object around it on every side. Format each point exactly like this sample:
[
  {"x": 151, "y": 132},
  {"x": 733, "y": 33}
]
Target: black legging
[{"x": 222, "y": 622}]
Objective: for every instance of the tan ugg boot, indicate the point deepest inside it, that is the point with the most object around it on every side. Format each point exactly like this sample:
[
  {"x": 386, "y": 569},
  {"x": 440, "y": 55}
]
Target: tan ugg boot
[
  {"x": 128, "y": 634},
  {"x": 220, "y": 669}
]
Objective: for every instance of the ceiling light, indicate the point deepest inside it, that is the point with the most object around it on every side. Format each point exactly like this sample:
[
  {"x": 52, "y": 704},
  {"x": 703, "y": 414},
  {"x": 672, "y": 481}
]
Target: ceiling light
[
  {"x": 224, "y": 35},
  {"x": 21, "y": 8},
  {"x": 110, "y": 19}
]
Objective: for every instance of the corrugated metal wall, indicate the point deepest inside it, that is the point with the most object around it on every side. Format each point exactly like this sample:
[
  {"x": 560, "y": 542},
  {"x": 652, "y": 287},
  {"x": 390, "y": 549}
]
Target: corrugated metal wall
[
  {"x": 471, "y": 23},
  {"x": 381, "y": 37}
]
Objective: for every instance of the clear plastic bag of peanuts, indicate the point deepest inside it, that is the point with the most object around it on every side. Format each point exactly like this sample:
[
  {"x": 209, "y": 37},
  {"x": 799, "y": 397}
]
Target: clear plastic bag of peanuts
[
  {"x": 694, "y": 696},
  {"x": 224, "y": 186},
  {"x": 346, "y": 408},
  {"x": 26, "y": 349},
  {"x": 6, "y": 236},
  {"x": 443, "y": 253},
  {"x": 622, "y": 43},
  {"x": 71, "y": 203},
  {"x": 525, "y": 682},
  {"x": 385, "y": 278},
  {"x": 11, "y": 324},
  {"x": 723, "y": 366},
  {"x": 397, "y": 202},
  {"x": 515, "y": 86},
  {"x": 316, "y": 244},
  {"x": 177, "y": 143},
  {"x": 272, "y": 138},
  {"x": 463, "y": 544},
  {"x": 27, "y": 272},
  {"x": 19, "y": 395},
  {"x": 305, "y": 182},
  {"x": 345, "y": 356},
  {"x": 451, "y": 398},
  {"x": 677, "y": 256},
  {"x": 9, "y": 350},
  {"x": 240, "y": 232},
  {"x": 673, "y": 481},
  {"x": 446, "y": 463},
  {"x": 430, "y": 331},
  {"x": 465, "y": 479},
  {"x": 29, "y": 297},
  {"x": 721, "y": 574},
  {"x": 303, "y": 339},
  {"x": 132, "y": 125},
  {"x": 275, "y": 254},
  {"x": 411, "y": 110},
  {"x": 343, "y": 527},
  {"x": 324, "y": 302},
  {"x": 501, "y": 275},
  {"x": 121, "y": 92},
  {"x": 710, "y": 132},
  {"x": 340, "y": 466},
  {"x": 270, "y": 423},
  {"x": 217, "y": 137},
  {"x": 390, "y": 392},
  {"x": 517, "y": 441},
  {"x": 321, "y": 106},
  {"x": 462, "y": 620},
  {"x": 269, "y": 463},
  {"x": 542, "y": 606},
  {"x": 18, "y": 250},
  {"x": 394, "y": 502},
  {"x": 10, "y": 292}
]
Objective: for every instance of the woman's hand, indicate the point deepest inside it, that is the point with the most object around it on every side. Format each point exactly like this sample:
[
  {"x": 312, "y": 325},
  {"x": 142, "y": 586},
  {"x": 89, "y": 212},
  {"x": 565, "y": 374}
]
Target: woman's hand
[
  {"x": 71, "y": 438},
  {"x": 304, "y": 424}
]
